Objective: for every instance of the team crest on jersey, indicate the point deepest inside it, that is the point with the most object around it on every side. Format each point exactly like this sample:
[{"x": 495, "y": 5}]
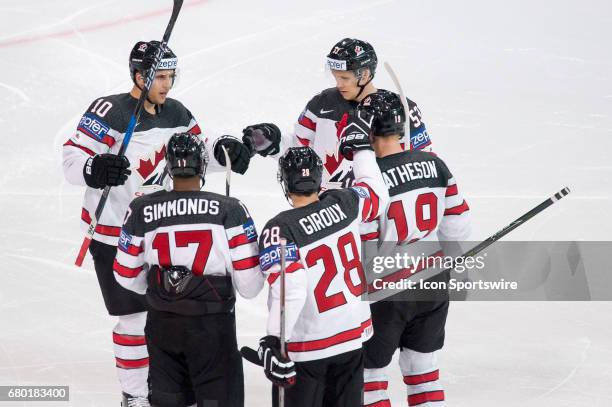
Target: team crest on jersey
[
  {"x": 148, "y": 166},
  {"x": 272, "y": 255},
  {"x": 361, "y": 191},
  {"x": 93, "y": 126},
  {"x": 124, "y": 240},
  {"x": 249, "y": 230}
]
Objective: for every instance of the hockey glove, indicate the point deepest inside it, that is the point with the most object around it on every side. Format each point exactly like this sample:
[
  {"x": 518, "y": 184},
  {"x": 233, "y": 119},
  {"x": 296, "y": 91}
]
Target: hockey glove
[
  {"x": 263, "y": 139},
  {"x": 104, "y": 170},
  {"x": 279, "y": 370},
  {"x": 354, "y": 133},
  {"x": 239, "y": 154}
]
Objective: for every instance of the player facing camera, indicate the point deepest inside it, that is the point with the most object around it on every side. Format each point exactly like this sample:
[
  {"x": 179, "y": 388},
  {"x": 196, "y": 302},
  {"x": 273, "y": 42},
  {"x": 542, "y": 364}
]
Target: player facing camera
[
  {"x": 299, "y": 173},
  {"x": 353, "y": 65},
  {"x": 142, "y": 58}
]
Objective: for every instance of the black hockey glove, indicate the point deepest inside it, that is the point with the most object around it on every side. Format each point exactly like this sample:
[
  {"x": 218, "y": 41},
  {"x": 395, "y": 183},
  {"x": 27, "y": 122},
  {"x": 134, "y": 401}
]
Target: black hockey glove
[
  {"x": 279, "y": 370},
  {"x": 239, "y": 154},
  {"x": 263, "y": 139},
  {"x": 354, "y": 133},
  {"x": 104, "y": 170}
]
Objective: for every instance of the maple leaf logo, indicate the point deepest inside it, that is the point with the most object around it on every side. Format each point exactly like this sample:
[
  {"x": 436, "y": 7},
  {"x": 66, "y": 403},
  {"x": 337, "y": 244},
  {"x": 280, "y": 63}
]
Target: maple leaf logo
[
  {"x": 146, "y": 167},
  {"x": 332, "y": 163}
]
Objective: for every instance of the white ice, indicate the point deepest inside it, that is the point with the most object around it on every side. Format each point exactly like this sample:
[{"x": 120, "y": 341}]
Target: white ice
[{"x": 517, "y": 96}]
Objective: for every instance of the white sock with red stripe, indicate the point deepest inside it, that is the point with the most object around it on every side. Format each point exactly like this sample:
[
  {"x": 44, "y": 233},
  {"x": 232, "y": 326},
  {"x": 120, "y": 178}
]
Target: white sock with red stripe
[
  {"x": 421, "y": 375},
  {"x": 131, "y": 355},
  {"x": 375, "y": 384}
]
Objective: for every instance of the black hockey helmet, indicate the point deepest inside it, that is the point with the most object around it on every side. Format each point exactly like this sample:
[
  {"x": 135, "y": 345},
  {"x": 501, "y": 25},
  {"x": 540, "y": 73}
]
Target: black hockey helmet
[
  {"x": 300, "y": 170},
  {"x": 388, "y": 112},
  {"x": 352, "y": 54},
  {"x": 186, "y": 156},
  {"x": 139, "y": 58}
]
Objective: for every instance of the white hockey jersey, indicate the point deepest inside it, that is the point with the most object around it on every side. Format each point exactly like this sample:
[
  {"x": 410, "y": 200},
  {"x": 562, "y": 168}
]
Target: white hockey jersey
[
  {"x": 101, "y": 130},
  {"x": 325, "y": 314},
  {"x": 210, "y": 234}
]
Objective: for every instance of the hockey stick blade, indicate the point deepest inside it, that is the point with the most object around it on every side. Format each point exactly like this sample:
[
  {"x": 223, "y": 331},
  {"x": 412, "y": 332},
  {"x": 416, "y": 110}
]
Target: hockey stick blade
[
  {"x": 251, "y": 355},
  {"x": 150, "y": 76},
  {"x": 228, "y": 171},
  {"x": 515, "y": 224}
]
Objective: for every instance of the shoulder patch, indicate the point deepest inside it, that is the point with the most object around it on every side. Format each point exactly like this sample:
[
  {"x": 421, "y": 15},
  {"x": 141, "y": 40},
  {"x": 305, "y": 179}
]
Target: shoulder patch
[
  {"x": 93, "y": 126},
  {"x": 250, "y": 230},
  {"x": 361, "y": 191},
  {"x": 272, "y": 255},
  {"x": 124, "y": 240}
]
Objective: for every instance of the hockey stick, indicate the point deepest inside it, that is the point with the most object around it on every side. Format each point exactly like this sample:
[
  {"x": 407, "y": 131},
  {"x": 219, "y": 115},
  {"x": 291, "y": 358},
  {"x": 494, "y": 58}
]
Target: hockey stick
[
  {"x": 228, "y": 171},
  {"x": 398, "y": 86},
  {"x": 130, "y": 130},
  {"x": 283, "y": 274},
  {"x": 513, "y": 225}
]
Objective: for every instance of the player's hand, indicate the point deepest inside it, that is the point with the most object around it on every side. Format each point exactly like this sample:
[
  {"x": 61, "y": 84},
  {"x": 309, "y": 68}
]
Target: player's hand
[
  {"x": 263, "y": 138},
  {"x": 239, "y": 154},
  {"x": 280, "y": 371},
  {"x": 354, "y": 133},
  {"x": 104, "y": 170}
]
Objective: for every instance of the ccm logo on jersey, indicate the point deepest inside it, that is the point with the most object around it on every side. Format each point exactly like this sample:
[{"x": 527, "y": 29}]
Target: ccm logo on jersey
[
  {"x": 93, "y": 126},
  {"x": 361, "y": 191},
  {"x": 336, "y": 64},
  {"x": 249, "y": 230},
  {"x": 168, "y": 63},
  {"x": 272, "y": 255},
  {"x": 124, "y": 240},
  {"x": 419, "y": 140}
]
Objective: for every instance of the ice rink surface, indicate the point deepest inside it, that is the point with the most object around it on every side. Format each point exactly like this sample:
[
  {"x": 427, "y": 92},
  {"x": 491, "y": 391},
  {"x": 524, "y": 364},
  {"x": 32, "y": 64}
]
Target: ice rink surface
[{"x": 517, "y": 97}]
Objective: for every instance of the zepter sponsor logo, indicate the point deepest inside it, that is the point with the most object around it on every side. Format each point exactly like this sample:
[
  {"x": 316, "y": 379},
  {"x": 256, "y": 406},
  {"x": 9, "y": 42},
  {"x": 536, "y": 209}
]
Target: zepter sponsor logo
[
  {"x": 93, "y": 126},
  {"x": 336, "y": 64},
  {"x": 168, "y": 63}
]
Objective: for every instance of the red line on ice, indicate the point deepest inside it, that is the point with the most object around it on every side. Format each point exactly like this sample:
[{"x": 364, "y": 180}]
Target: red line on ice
[{"x": 94, "y": 27}]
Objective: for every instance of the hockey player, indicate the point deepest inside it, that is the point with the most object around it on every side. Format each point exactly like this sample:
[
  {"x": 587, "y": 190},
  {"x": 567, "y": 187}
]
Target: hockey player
[
  {"x": 353, "y": 64},
  {"x": 425, "y": 204},
  {"x": 187, "y": 249},
  {"x": 89, "y": 159},
  {"x": 326, "y": 320}
]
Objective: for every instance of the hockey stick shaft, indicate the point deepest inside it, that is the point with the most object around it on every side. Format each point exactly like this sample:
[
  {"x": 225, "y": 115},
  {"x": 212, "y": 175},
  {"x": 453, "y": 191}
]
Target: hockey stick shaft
[
  {"x": 283, "y": 275},
  {"x": 516, "y": 223},
  {"x": 228, "y": 171},
  {"x": 398, "y": 86},
  {"x": 150, "y": 76}
]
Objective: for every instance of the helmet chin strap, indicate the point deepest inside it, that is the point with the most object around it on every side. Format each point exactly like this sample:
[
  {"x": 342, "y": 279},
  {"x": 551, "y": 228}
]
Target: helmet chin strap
[{"x": 362, "y": 87}]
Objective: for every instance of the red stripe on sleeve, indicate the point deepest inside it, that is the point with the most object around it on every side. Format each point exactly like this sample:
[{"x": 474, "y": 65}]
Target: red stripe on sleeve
[
  {"x": 239, "y": 241},
  {"x": 373, "y": 386},
  {"x": 195, "y": 130},
  {"x": 373, "y": 203},
  {"x": 380, "y": 403},
  {"x": 247, "y": 263},
  {"x": 72, "y": 144},
  {"x": 132, "y": 364},
  {"x": 131, "y": 250},
  {"x": 413, "y": 380},
  {"x": 295, "y": 266},
  {"x": 420, "y": 398},
  {"x": 124, "y": 271},
  {"x": 303, "y": 141},
  {"x": 452, "y": 190},
  {"x": 337, "y": 339},
  {"x": 129, "y": 340},
  {"x": 457, "y": 210},
  {"x": 306, "y": 122},
  {"x": 370, "y": 236}
]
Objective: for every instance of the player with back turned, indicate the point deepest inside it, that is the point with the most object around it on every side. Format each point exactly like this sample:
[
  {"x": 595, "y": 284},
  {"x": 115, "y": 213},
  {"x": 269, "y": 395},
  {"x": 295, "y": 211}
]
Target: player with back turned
[
  {"x": 326, "y": 319},
  {"x": 187, "y": 250},
  {"x": 90, "y": 159},
  {"x": 425, "y": 205},
  {"x": 353, "y": 65}
]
